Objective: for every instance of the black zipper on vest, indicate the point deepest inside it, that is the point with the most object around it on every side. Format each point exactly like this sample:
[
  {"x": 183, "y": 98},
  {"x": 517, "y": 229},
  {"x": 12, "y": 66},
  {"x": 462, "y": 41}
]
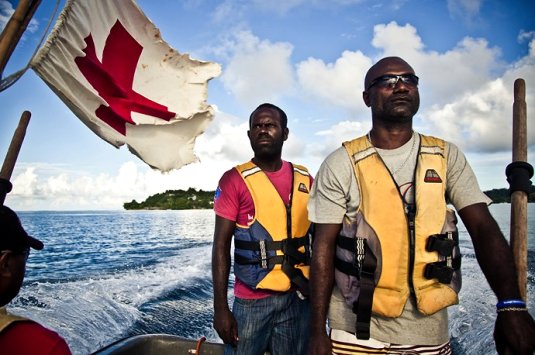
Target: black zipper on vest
[{"x": 410, "y": 210}]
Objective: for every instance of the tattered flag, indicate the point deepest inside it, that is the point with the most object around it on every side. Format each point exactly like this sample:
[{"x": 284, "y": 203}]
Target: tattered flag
[{"x": 111, "y": 67}]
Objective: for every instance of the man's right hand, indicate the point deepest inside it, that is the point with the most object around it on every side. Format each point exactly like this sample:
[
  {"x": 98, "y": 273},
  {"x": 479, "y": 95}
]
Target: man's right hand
[
  {"x": 226, "y": 326},
  {"x": 320, "y": 344}
]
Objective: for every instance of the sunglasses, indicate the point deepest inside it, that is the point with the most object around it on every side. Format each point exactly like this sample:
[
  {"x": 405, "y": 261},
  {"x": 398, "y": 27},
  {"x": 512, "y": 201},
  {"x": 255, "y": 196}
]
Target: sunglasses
[{"x": 391, "y": 80}]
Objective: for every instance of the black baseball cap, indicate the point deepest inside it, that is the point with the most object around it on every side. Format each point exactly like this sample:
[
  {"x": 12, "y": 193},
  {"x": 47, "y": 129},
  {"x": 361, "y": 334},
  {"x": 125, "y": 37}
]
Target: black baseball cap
[{"x": 12, "y": 234}]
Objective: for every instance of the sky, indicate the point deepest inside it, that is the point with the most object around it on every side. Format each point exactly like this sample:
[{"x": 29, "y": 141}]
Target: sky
[{"x": 309, "y": 58}]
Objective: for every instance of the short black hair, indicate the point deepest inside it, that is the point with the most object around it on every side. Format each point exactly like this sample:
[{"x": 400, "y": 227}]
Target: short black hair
[{"x": 282, "y": 114}]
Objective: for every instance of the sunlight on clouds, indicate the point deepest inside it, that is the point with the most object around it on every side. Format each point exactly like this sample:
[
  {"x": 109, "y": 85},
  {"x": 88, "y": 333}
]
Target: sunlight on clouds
[
  {"x": 25, "y": 183},
  {"x": 480, "y": 121},
  {"x": 294, "y": 149},
  {"x": 102, "y": 191},
  {"x": 338, "y": 83},
  {"x": 258, "y": 71},
  {"x": 224, "y": 140},
  {"x": 397, "y": 40},
  {"x": 481, "y": 118},
  {"x": 338, "y": 133},
  {"x": 448, "y": 76}
]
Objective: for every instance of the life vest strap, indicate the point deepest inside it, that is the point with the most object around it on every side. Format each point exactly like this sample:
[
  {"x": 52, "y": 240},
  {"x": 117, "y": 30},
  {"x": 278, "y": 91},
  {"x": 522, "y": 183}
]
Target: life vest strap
[
  {"x": 287, "y": 266},
  {"x": 363, "y": 268},
  {"x": 291, "y": 257},
  {"x": 357, "y": 246},
  {"x": 269, "y": 244},
  {"x": 363, "y": 306},
  {"x": 442, "y": 243},
  {"x": 297, "y": 277},
  {"x": 346, "y": 267},
  {"x": 346, "y": 243},
  {"x": 265, "y": 263},
  {"x": 442, "y": 270}
]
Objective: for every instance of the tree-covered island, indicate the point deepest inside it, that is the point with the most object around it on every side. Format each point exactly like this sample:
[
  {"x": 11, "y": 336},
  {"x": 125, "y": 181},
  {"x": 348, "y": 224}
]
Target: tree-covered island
[
  {"x": 198, "y": 199},
  {"x": 190, "y": 199}
]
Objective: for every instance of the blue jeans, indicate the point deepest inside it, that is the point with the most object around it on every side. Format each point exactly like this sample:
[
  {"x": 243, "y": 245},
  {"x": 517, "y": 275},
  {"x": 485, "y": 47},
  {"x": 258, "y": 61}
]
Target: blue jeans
[{"x": 278, "y": 324}]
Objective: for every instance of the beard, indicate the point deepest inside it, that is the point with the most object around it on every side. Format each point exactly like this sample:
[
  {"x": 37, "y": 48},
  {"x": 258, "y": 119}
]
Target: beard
[
  {"x": 267, "y": 152},
  {"x": 399, "y": 112}
]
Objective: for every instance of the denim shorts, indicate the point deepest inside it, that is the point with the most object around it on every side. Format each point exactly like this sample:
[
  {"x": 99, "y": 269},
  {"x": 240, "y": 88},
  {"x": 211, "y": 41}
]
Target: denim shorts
[{"x": 277, "y": 324}]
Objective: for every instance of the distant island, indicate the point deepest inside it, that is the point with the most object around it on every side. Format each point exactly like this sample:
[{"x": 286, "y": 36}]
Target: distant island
[
  {"x": 503, "y": 196},
  {"x": 193, "y": 199},
  {"x": 190, "y": 199}
]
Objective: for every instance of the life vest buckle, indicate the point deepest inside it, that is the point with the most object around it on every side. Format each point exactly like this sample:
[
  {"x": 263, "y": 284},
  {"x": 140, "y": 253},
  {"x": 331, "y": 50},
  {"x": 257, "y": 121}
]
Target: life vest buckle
[
  {"x": 263, "y": 255},
  {"x": 439, "y": 271},
  {"x": 441, "y": 243}
]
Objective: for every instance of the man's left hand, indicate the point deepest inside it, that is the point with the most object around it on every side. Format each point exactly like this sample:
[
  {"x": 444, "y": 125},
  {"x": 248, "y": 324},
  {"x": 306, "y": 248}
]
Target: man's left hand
[{"x": 514, "y": 333}]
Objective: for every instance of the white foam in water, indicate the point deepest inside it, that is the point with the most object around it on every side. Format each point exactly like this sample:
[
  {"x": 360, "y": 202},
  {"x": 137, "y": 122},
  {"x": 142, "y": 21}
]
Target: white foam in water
[{"x": 94, "y": 312}]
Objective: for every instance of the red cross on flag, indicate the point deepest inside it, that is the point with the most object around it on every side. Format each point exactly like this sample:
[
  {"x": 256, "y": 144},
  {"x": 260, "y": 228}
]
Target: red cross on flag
[{"x": 111, "y": 67}]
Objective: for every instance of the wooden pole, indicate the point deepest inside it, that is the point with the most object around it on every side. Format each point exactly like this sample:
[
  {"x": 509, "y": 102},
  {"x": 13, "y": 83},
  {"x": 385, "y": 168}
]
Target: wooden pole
[
  {"x": 14, "y": 29},
  {"x": 519, "y": 199},
  {"x": 12, "y": 154}
]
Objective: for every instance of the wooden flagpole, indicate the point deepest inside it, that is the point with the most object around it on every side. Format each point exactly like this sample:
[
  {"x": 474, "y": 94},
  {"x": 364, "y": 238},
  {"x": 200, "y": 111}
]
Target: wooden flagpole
[
  {"x": 14, "y": 29},
  {"x": 519, "y": 199},
  {"x": 9, "y": 38},
  {"x": 12, "y": 154}
]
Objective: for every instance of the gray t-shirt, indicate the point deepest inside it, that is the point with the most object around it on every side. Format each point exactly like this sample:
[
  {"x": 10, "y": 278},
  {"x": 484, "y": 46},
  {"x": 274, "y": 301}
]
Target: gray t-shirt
[{"x": 335, "y": 195}]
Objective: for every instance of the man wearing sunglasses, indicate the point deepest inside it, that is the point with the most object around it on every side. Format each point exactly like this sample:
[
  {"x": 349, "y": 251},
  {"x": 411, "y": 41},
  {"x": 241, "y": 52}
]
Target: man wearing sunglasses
[
  {"x": 386, "y": 261},
  {"x": 19, "y": 335}
]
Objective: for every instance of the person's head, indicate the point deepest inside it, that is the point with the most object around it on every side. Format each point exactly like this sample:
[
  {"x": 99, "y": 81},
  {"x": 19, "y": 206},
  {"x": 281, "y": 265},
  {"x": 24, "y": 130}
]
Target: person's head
[
  {"x": 391, "y": 90},
  {"x": 15, "y": 246},
  {"x": 267, "y": 131}
]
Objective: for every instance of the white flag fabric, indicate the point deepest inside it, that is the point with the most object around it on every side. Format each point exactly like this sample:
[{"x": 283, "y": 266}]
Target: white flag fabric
[{"x": 110, "y": 65}]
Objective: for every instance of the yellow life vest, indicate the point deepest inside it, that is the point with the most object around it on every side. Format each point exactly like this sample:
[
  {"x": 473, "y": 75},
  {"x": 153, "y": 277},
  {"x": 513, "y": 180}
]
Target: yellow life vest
[
  {"x": 406, "y": 243},
  {"x": 273, "y": 250},
  {"x": 7, "y": 318}
]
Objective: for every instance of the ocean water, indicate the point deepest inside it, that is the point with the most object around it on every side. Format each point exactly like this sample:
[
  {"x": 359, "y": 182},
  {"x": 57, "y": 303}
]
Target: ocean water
[{"x": 107, "y": 275}]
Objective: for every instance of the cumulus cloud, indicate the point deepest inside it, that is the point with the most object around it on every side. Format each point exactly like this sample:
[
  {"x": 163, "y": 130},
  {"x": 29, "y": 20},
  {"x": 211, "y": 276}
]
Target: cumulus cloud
[
  {"x": 392, "y": 38},
  {"x": 338, "y": 133},
  {"x": 339, "y": 83},
  {"x": 258, "y": 70},
  {"x": 224, "y": 140},
  {"x": 481, "y": 118},
  {"x": 33, "y": 189}
]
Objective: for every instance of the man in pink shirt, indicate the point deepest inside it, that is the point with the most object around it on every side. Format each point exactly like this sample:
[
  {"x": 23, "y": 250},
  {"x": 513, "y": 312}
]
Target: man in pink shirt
[{"x": 262, "y": 205}]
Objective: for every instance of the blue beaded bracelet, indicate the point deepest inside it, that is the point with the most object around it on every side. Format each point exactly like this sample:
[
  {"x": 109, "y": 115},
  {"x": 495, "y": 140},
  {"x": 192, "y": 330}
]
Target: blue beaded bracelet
[{"x": 511, "y": 303}]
